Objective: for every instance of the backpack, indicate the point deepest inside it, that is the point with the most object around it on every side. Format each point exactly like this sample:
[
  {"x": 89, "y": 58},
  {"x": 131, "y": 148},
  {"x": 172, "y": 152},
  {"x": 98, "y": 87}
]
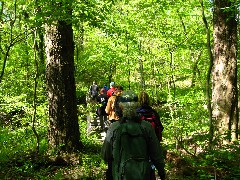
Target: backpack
[
  {"x": 156, "y": 124},
  {"x": 150, "y": 117},
  {"x": 130, "y": 152},
  {"x": 110, "y": 92},
  {"x": 102, "y": 100}
]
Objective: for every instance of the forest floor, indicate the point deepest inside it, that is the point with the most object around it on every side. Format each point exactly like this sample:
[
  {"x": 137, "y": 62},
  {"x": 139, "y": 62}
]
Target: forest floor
[{"x": 88, "y": 164}]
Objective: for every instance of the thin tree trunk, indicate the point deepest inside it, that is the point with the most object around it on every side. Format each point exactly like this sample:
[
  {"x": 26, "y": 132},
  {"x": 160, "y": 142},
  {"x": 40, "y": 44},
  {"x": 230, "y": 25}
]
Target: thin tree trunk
[
  {"x": 208, "y": 82},
  {"x": 35, "y": 96},
  {"x": 142, "y": 82},
  {"x": 12, "y": 22},
  {"x": 172, "y": 81},
  {"x": 195, "y": 68}
]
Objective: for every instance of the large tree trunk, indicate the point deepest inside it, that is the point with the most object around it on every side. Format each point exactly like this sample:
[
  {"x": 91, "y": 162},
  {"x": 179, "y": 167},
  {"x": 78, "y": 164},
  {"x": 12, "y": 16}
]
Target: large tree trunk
[
  {"x": 224, "y": 74},
  {"x": 63, "y": 128}
]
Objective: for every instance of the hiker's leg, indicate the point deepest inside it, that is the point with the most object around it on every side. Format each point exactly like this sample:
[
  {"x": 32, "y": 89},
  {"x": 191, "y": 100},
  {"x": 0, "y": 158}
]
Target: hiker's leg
[
  {"x": 109, "y": 175},
  {"x": 152, "y": 173},
  {"x": 105, "y": 120},
  {"x": 101, "y": 122}
]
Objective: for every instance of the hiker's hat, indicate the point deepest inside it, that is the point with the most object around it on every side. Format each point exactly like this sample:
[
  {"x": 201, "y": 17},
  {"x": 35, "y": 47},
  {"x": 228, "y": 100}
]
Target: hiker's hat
[{"x": 112, "y": 84}]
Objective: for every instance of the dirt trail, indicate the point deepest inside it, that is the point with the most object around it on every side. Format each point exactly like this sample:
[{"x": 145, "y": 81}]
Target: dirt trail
[{"x": 94, "y": 127}]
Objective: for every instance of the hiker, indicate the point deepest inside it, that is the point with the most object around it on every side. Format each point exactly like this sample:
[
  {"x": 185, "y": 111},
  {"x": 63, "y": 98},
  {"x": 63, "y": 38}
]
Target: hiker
[
  {"x": 102, "y": 99},
  {"x": 146, "y": 112},
  {"x": 112, "y": 89},
  {"x": 129, "y": 145},
  {"x": 112, "y": 117},
  {"x": 106, "y": 88},
  {"x": 93, "y": 91}
]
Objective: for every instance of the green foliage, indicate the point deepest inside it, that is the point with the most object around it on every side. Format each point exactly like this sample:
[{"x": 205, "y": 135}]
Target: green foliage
[
  {"x": 158, "y": 46},
  {"x": 224, "y": 162},
  {"x": 18, "y": 158}
]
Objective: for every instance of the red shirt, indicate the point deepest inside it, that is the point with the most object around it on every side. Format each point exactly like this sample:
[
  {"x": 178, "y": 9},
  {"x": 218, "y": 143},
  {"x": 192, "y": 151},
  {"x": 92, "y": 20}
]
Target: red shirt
[{"x": 110, "y": 92}]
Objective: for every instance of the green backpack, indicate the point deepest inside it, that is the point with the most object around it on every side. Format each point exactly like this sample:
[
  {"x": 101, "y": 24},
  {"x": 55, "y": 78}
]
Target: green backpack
[{"x": 130, "y": 153}]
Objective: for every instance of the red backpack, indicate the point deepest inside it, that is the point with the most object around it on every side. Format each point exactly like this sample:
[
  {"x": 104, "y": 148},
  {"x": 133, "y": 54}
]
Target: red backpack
[
  {"x": 150, "y": 117},
  {"x": 155, "y": 122}
]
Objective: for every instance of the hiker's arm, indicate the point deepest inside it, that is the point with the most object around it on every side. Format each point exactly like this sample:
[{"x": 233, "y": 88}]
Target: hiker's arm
[
  {"x": 108, "y": 107},
  {"x": 159, "y": 123},
  {"x": 107, "y": 147},
  {"x": 156, "y": 153},
  {"x": 106, "y": 151}
]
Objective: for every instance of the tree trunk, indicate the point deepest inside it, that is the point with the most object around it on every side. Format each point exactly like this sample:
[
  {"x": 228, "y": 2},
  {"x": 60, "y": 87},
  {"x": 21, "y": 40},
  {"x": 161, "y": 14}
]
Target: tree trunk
[
  {"x": 224, "y": 74},
  {"x": 63, "y": 128},
  {"x": 195, "y": 70},
  {"x": 141, "y": 70},
  {"x": 208, "y": 80}
]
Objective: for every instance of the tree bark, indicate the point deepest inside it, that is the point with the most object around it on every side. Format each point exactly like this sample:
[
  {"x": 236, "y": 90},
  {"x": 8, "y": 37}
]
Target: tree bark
[
  {"x": 224, "y": 74},
  {"x": 63, "y": 128}
]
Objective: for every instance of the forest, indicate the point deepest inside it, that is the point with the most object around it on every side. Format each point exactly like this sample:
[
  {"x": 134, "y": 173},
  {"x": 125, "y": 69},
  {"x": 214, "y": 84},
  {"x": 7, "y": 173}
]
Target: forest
[{"x": 183, "y": 53}]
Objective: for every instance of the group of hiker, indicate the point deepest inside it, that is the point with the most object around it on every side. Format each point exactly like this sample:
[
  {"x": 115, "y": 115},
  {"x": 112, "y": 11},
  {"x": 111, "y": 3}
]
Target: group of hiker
[{"x": 132, "y": 146}]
